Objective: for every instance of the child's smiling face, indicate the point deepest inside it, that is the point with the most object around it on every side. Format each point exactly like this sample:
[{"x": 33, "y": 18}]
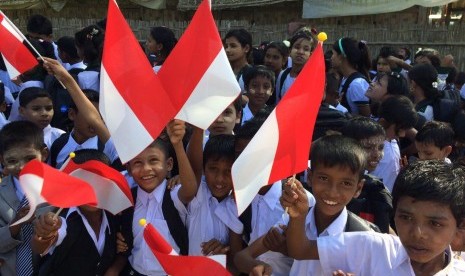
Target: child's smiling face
[{"x": 426, "y": 229}]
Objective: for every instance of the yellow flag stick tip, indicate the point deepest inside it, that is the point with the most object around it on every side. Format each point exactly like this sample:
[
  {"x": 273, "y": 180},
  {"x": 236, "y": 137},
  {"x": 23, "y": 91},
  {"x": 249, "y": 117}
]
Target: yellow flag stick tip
[
  {"x": 143, "y": 222},
  {"x": 72, "y": 155},
  {"x": 322, "y": 36}
]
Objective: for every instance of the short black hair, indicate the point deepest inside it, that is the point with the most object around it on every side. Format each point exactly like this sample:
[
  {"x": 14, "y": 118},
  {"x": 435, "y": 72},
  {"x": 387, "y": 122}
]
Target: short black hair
[
  {"x": 166, "y": 37},
  {"x": 244, "y": 38},
  {"x": 92, "y": 95},
  {"x": 398, "y": 110},
  {"x": 67, "y": 44},
  {"x": 31, "y": 93},
  {"x": 360, "y": 128},
  {"x": 424, "y": 75},
  {"x": 84, "y": 155},
  {"x": 90, "y": 40},
  {"x": 433, "y": 180},
  {"x": 259, "y": 70},
  {"x": 248, "y": 130},
  {"x": 218, "y": 147},
  {"x": 238, "y": 104},
  {"x": 338, "y": 150},
  {"x": 21, "y": 134},
  {"x": 39, "y": 24},
  {"x": 437, "y": 133}
]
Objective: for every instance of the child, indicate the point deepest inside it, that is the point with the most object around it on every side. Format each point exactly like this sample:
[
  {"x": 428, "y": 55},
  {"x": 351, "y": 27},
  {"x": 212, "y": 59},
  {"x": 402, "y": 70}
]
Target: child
[
  {"x": 276, "y": 54},
  {"x": 89, "y": 43},
  {"x": 238, "y": 47},
  {"x": 153, "y": 201},
  {"x": 429, "y": 204},
  {"x": 336, "y": 175},
  {"x": 259, "y": 85},
  {"x": 161, "y": 42},
  {"x": 302, "y": 45},
  {"x": 435, "y": 141},
  {"x": 3, "y": 106},
  {"x": 82, "y": 241},
  {"x": 351, "y": 59},
  {"x": 20, "y": 142},
  {"x": 332, "y": 96},
  {"x": 397, "y": 115},
  {"x": 375, "y": 201},
  {"x": 36, "y": 106}
]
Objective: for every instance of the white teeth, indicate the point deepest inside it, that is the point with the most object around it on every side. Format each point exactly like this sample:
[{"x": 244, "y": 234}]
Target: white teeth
[
  {"x": 219, "y": 186},
  {"x": 329, "y": 202},
  {"x": 147, "y": 177}
]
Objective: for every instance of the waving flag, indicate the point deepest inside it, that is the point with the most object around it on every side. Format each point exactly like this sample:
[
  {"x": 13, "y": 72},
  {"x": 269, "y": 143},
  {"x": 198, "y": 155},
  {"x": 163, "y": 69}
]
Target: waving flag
[
  {"x": 281, "y": 146},
  {"x": 133, "y": 103},
  {"x": 18, "y": 59},
  {"x": 197, "y": 73},
  {"x": 181, "y": 265},
  {"x": 42, "y": 183},
  {"x": 110, "y": 186}
]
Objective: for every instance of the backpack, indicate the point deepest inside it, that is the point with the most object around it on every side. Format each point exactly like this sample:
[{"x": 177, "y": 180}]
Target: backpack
[
  {"x": 60, "y": 142},
  {"x": 345, "y": 87},
  {"x": 283, "y": 78},
  {"x": 61, "y": 100},
  {"x": 450, "y": 93},
  {"x": 356, "y": 224},
  {"x": 175, "y": 225},
  {"x": 328, "y": 119}
]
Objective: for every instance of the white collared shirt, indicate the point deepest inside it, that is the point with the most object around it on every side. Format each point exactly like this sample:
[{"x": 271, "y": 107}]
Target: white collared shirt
[
  {"x": 3, "y": 120},
  {"x": 91, "y": 143},
  {"x": 202, "y": 222},
  {"x": 79, "y": 65},
  {"x": 389, "y": 166},
  {"x": 14, "y": 113},
  {"x": 246, "y": 114},
  {"x": 313, "y": 267},
  {"x": 374, "y": 254},
  {"x": 89, "y": 80},
  {"x": 51, "y": 134},
  {"x": 149, "y": 206},
  {"x": 99, "y": 241}
]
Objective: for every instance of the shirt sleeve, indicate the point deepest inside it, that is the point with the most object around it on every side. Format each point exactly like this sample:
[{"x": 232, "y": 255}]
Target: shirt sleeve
[
  {"x": 356, "y": 91},
  {"x": 227, "y": 213},
  {"x": 110, "y": 150},
  {"x": 182, "y": 209}
]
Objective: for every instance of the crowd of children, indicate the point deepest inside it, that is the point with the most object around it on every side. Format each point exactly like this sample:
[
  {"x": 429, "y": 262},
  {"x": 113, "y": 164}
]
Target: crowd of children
[{"x": 384, "y": 193}]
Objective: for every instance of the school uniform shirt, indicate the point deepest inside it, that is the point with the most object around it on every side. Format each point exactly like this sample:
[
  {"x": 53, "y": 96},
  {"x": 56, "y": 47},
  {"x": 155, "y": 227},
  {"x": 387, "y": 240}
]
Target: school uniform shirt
[
  {"x": 370, "y": 253},
  {"x": 313, "y": 267},
  {"x": 98, "y": 242},
  {"x": 282, "y": 89},
  {"x": 389, "y": 166},
  {"x": 340, "y": 108},
  {"x": 355, "y": 93},
  {"x": 246, "y": 114},
  {"x": 89, "y": 80},
  {"x": 202, "y": 222},
  {"x": 78, "y": 65},
  {"x": 91, "y": 143},
  {"x": 427, "y": 112},
  {"x": 14, "y": 113},
  {"x": 462, "y": 93},
  {"x": 3, "y": 120},
  {"x": 51, "y": 134},
  {"x": 5, "y": 78},
  {"x": 149, "y": 206}
]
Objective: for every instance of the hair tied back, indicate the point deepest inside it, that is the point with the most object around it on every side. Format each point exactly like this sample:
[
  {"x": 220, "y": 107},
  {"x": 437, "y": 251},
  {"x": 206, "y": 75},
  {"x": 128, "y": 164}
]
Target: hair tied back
[{"x": 90, "y": 35}]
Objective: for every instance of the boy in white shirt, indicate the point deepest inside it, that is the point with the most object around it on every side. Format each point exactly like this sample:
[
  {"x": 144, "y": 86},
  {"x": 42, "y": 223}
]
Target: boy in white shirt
[
  {"x": 429, "y": 203},
  {"x": 434, "y": 141}
]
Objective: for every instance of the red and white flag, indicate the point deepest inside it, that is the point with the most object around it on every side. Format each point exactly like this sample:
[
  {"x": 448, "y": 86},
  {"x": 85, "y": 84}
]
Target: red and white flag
[
  {"x": 42, "y": 183},
  {"x": 110, "y": 186},
  {"x": 197, "y": 73},
  {"x": 18, "y": 59},
  {"x": 176, "y": 265},
  {"x": 133, "y": 103},
  {"x": 281, "y": 146}
]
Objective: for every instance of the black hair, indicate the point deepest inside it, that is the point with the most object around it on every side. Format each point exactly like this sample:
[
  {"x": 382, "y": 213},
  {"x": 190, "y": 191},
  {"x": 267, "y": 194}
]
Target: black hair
[
  {"x": 67, "y": 44},
  {"x": 396, "y": 85},
  {"x": 258, "y": 56},
  {"x": 219, "y": 147},
  {"x": 92, "y": 95},
  {"x": 244, "y": 38},
  {"x": 280, "y": 46},
  {"x": 424, "y": 76},
  {"x": 44, "y": 48},
  {"x": 305, "y": 34},
  {"x": 360, "y": 128},
  {"x": 21, "y": 134},
  {"x": 248, "y": 130},
  {"x": 407, "y": 53},
  {"x": 460, "y": 79},
  {"x": 259, "y": 70},
  {"x": 356, "y": 53},
  {"x": 84, "y": 155},
  {"x": 166, "y": 37},
  {"x": 90, "y": 41},
  {"x": 433, "y": 180},
  {"x": 332, "y": 83},
  {"x": 338, "y": 150},
  {"x": 39, "y": 24},
  {"x": 2, "y": 93},
  {"x": 385, "y": 52},
  {"x": 31, "y": 93},
  {"x": 398, "y": 110},
  {"x": 238, "y": 104},
  {"x": 439, "y": 134},
  {"x": 452, "y": 75},
  {"x": 431, "y": 55}
]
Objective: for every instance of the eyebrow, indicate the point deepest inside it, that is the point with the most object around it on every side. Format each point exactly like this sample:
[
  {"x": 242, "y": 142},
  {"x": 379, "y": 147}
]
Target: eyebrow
[{"x": 435, "y": 217}]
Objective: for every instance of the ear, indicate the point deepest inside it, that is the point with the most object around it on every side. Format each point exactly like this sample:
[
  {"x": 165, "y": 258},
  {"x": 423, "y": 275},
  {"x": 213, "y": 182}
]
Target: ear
[
  {"x": 169, "y": 163},
  {"x": 44, "y": 152},
  {"x": 447, "y": 150},
  {"x": 71, "y": 114},
  {"x": 238, "y": 116},
  {"x": 309, "y": 177},
  {"x": 247, "y": 48},
  {"x": 359, "y": 187},
  {"x": 21, "y": 111}
]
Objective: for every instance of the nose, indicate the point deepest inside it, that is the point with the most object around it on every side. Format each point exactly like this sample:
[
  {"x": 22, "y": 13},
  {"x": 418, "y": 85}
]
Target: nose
[
  {"x": 219, "y": 119},
  {"x": 419, "y": 232}
]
